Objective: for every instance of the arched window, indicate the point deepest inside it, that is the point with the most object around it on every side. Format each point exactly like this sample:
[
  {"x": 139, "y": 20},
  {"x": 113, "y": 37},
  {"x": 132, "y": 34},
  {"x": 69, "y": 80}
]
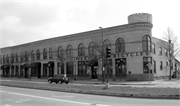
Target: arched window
[
  {"x": 7, "y": 58},
  {"x": 38, "y": 55},
  {"x": 146, "y": 43},
  {"x": 106, "y": 44},
  {"x": 22, "y": 57},
  {"x": 60, "y": 53},
  {"x": 92, "y": 48},
  {"x": 32, "y": 55},
  {"x": 26, "y": 56},
  {"x": 120, "y": 45},
  {"x": 81, "y": 50},
  {"x": 50, "y": 53},
  {"x": 4, "y": 59},
  {"x": 12, "y": 58},
  {"x": 44, "y": 54},
  {"x": 69, "y": 51}
]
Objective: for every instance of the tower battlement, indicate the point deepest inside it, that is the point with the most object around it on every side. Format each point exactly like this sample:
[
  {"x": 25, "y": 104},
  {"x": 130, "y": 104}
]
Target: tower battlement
[{"x": 139, "y": 17}]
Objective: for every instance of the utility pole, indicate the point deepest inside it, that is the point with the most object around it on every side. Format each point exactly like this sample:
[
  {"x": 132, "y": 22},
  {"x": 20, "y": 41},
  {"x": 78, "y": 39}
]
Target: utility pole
[{"x": 102, "y": 54}]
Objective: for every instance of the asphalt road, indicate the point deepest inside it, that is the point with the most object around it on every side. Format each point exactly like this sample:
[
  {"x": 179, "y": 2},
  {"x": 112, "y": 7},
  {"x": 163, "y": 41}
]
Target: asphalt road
[{"x": 11, "y": 96}]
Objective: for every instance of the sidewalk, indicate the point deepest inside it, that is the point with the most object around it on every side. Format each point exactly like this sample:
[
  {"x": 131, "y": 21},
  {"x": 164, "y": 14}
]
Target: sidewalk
[{"x": 156, "y": 83}]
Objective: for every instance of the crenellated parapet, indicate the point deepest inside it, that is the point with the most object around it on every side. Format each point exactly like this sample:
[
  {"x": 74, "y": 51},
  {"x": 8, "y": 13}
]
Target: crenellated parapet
[{"x": 140, "y": 17}]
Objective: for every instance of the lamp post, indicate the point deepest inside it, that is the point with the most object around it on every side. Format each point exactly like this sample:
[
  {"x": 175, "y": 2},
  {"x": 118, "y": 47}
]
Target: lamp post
[{"x": 102, "y": 53}]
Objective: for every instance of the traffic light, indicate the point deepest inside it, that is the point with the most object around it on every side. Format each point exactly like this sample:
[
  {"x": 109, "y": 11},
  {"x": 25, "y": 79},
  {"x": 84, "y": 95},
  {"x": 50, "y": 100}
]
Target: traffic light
[{"x": 108, "y": 52}]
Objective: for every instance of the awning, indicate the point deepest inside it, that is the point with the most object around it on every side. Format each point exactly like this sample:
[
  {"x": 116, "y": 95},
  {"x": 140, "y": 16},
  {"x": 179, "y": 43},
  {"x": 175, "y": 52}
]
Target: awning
[
  {"x": 5, "y": 66},
  {"x": 93, "y": 62},
  {"x": 36, "y": 64},
  {"x": 26, "y": 65},
  {"x": 50, "y": 63}
]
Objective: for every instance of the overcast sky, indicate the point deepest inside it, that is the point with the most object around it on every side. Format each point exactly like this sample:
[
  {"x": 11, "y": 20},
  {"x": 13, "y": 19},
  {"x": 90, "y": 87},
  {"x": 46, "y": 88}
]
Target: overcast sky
[{"x": 24, "y": 21}]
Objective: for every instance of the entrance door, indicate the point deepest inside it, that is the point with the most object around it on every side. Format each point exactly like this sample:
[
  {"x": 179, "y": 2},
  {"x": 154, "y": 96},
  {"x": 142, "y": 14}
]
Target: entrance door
[
  {"x": 94, "y": 72},
  {"x": 121, "y": 67}
]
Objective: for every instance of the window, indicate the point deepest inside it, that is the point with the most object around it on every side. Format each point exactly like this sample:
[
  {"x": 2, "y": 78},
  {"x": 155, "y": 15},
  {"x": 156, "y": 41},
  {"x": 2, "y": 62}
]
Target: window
[
  {"x": 69, "y": 51},
  {"x": 146, "y": 61},
  {"x": 26, "y": 56},
  {"x": 81, "y": 50},
  {"x": 166, "y": 63},
  {"x": 38, "y": 55},
  {"x": 12, "y": 58},
  {"x": 60, "y": 53},
  {"x": 82, "y": 68},
  {"x": 7, "y": 58},
  {"x": 120, "y": 45},
  {"x": 160, "y": 50},
  {"x": 106, "y": 44},
  {"x": 17, "y": 60},
  {"x": 146, "y": 43},
  {"x": 44, "y": 54},
  {"x": 92, "y": 48},
  {"x": 154, "y": 63},
  {"x": 50, "y": 53},
  {"x": 32, "y": 55},
  {"x": 166, "y": 52},
  {"x": 161, "y": 65},
  {"x": 22, "y": 57},
  {"x": 4, "y": 59},
  {"x": 153, "y": 48}
]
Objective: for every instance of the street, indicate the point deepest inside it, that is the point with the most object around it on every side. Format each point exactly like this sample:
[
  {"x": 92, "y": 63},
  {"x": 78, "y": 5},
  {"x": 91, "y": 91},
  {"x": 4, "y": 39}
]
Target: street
[{"x": 11, "y": 96}]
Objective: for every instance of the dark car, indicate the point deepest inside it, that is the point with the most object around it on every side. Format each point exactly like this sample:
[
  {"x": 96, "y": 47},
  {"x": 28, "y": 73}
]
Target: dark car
[
  {"x": 174, "y": 75},
  {"x": 59, "y": 78}
]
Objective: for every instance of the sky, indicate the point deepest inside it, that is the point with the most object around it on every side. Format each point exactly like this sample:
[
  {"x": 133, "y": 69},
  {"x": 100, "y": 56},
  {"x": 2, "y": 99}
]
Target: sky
[{"x": 24, "y": 21}]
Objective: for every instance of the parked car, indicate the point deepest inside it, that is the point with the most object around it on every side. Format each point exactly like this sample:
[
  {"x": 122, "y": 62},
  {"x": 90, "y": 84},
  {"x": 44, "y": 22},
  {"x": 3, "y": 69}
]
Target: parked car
[{"x": 62, "y": 78}]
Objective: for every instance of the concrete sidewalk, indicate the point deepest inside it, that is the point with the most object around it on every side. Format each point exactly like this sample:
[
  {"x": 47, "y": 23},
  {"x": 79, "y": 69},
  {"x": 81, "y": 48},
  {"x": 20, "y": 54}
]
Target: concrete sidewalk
[{"x": 97, "y": 82}]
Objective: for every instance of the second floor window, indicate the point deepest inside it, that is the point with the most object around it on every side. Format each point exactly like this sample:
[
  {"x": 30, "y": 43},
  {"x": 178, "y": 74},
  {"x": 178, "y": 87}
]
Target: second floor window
[
  {"x": 32, "y": 56},
  {"x": 60, "y": 53},
  {"x": 146, "y": 43},
  {"x": 81, "y": 50},
  {"x": 153, "y": 48},
  {"x": 26, "y": 56},
  {"x": 38, "y": 55},
  {"x": 50, "y": 53},
  {"x": 92, "y": 48},
  {"x": 44, "y": 54},
  {"x": 120, "y": 45},
  {"x": 160, "y": 50},
  {"x": 69, "y": 51}
]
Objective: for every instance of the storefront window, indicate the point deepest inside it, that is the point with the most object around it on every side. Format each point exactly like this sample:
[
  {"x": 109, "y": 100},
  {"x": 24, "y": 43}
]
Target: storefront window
[
  {"x": 82, "y": 68},
  {"x": 121, "y": 67},
  {"x": 146, "y": 62}
]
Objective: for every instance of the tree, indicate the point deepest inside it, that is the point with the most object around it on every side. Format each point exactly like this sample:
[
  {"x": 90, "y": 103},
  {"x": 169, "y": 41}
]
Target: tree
[{"x": 169, "y": 43}]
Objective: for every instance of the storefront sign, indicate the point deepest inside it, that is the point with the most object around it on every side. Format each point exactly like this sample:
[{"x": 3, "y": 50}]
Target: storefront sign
[{"x": 132, "y": 54}]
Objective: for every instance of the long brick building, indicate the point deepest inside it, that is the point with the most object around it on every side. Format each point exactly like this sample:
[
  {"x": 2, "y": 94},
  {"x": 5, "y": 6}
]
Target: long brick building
[{"x": 135, "y": 54}]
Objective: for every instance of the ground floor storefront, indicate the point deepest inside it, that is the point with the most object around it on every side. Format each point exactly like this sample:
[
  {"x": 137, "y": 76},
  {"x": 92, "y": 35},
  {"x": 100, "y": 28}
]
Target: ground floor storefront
[{"x": 119, "y": 67}]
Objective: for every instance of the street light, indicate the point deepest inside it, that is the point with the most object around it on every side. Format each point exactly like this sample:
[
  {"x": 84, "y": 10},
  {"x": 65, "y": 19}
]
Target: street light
[{"x": 102, "y": 52}]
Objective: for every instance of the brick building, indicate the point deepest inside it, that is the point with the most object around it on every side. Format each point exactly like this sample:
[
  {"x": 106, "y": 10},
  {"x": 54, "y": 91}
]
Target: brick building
[{"x": 135, "y": 54}]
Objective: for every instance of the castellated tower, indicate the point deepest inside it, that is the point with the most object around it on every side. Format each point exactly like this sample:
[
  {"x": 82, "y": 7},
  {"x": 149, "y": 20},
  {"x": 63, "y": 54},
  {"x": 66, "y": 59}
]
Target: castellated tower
[{"x": 139, "y": 17}]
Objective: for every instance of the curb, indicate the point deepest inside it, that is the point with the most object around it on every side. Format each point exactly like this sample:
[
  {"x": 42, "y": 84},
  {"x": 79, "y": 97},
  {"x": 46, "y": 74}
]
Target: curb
[{"x": 101, "y": 93}]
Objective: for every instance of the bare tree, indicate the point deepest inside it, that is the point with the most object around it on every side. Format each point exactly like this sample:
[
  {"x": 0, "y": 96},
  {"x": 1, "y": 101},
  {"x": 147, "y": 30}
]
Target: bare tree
[{"x": 169, "y": 43}]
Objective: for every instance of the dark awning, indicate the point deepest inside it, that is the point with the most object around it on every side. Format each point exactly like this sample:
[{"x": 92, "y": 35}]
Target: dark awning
[
  {"x": 50, "y": 63},
  {"x": 36, "y": 64},
  {"x": 26, "y": 65},
  {"x": 93, "y": 62},
  {"x": 5, "y": 66}
]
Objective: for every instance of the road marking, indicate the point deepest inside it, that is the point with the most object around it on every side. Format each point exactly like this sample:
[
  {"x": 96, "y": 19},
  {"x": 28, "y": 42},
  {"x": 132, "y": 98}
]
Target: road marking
[
  {"x": 61, "y": 100},
  {"x": 6, "y": 105}
]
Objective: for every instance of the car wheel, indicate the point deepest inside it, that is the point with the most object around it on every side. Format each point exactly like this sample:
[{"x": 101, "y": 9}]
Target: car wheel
[
  {"x": 66, "y": 82},
  {"x": 50, "y": 81},
  {"x": 57, "y": 82}
]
